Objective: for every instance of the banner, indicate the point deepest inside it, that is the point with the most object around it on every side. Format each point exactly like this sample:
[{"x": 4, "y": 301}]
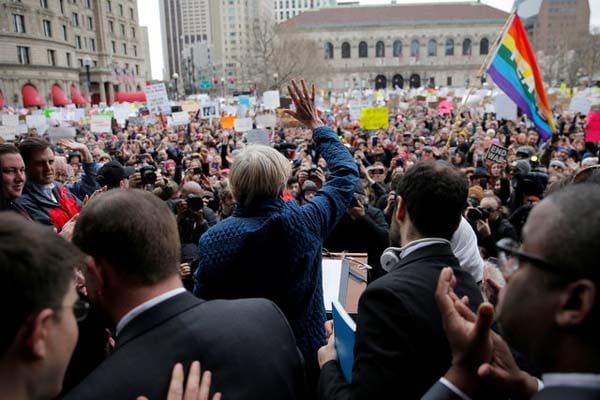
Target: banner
[{"x": 374, "y": 118}]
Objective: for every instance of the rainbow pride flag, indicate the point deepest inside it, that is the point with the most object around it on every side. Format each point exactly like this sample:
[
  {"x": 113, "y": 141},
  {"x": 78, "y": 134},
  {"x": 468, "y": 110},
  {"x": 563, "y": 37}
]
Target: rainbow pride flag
[{"x": 514, "y": 70}]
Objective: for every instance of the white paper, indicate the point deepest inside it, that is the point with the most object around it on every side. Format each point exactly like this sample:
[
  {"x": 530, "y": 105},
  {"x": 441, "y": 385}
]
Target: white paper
[
  {"x": 505, "y": 107},
  {"x": 580, "y": 104},
  {"x": 8, "y": 132},
  {"x": 181, "y": 118},
  {"x": 258, "y": 136},
  {"x": 101, "y": 124},
  {"x": 36, "y": 121},
  {"x": 10, "y": 120},
  {"x": 79, "y": 113},
  {"x": 22, "y": 129},
  {"x": 61, "y": 132},
  {"x": 121, "y": 112},
  {"x": 332, "y": 281},
  {"x": 271, "y": 99},
  {"x": 266, "y": 121},
  {"x": 157, "y": 99},
  {"x": 242, "y": 124}
]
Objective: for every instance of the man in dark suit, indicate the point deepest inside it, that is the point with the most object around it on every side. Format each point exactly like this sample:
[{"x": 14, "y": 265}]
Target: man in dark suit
[
  {"x": 400, "y": 344},
  {"x": 132, "y": 275},
  {"x": 549, "y": 310}
]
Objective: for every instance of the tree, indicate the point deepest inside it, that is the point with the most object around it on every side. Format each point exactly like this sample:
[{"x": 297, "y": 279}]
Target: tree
[{"x": 277, "y": 55}]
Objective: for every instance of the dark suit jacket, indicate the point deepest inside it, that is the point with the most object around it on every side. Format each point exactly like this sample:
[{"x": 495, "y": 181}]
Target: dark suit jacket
[
  {"x": 400, "y": 343},
  {"x": 247, "y": 344}
]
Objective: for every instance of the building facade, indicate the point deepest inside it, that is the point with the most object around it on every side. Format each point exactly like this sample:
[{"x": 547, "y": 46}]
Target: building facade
[
  {"x": 92, "y": 48},
  {"x": 401, "y": 45},
  {"x": 555, "y": 25},
  {"x": 286, "y": 9}
]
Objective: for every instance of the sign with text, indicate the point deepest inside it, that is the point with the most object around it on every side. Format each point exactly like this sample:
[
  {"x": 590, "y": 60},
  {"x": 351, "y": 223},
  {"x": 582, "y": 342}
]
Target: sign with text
[
  {"x": 580, "y": 104},
  {"x": 181, "y": 118},
  {"x": 209, "y": 110},
  {"x": 266, "y": 121},
  {"x": 8, "y": 132},
  {"x": 36, "y": 121},
  {"x": 227, "y": 122},
  {"x": 157, "y": 100},
  {"x": 243, "y": 124},
  {"x": 374, "y": 118},
  {"x": 101, "y": 124},
  {"x": 592, "y": 132},
  {"x": 10, "y": 120},
  {"x": 61, "y": 132},
  {"x": 496, "y": 153},
  {"x": 505, "y": 108},
  {"x": 271, "y": 99},
  {"x": 258, "y": 136}
]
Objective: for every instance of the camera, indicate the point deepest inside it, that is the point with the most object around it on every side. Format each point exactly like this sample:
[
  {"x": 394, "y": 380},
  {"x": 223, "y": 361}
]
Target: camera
[
  {"x": 477, "y": 213},
  {"x": 194, "y": 202},
  {"x": 148, "y": 174}
]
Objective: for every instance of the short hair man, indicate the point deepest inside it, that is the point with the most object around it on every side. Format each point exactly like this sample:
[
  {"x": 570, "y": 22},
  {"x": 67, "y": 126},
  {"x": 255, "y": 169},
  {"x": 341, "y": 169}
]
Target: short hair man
[
  {"x": 47, "y": 201},
  {"x": 132, "y": 274},
  {"x": 40, "y": 307},
  {"x": 113, "y": 175},
  {"x": 13, "y": 177},
  {"x": 400, "y": 344},
  {"x": 555, "y": 274}
]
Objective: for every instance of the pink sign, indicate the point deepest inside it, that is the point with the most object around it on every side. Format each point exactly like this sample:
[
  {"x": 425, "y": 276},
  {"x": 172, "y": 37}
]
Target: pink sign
[{"x": 592, "y": 132}]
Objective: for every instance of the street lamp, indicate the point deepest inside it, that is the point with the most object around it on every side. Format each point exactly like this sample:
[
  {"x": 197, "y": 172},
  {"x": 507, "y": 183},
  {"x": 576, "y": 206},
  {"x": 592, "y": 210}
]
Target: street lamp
[
  {"x": 87, "y": 63},
  {"x": 223, "y": 87},
  {"x": 175, "y": 76},
  {"x": 275, "y": 80}
]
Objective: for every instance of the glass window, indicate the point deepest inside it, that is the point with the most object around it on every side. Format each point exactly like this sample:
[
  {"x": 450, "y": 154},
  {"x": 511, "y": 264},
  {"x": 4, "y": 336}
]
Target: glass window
[
  {"x": 397, "y": 48},
  {"x": 68, "y": 59},
  {"x": 109, "y": 6},
  {"x": 75, "y": 19},
  {"x": 484, "y": 46},
  {"x": 113, "y": 46},
  {"x": 432, "y": 48},
  {"x": 133, "y": 33},
  {"x": 415, "y": 48},
  {"x": 363, "y": 50},
  {"x": 65, "y": 34},
  {"x": 23, "y": 55},
  {"x": 44, "y": 3},
  {"x": 345, "y": 50},
  {"x": 51, "y": 57},
  {"x": 122, "y": 26},
  {"x": 18, "y": 23},
  {"x": 92, "y": 44},
  {"x": 47, "y": 28},
  {"x": 328, "y": 51},
  {"x": 449, "y": 50},
  {"x": 78, "y": 41},
  {"x": 111, "y": 27},
  {"x": 90, "y": 23},
  {"x": 380, "y": 49},
  {"x": 466, "y": 47},
  {"x": 121, "y": 10},
  {"x": 131, "y": 13}
]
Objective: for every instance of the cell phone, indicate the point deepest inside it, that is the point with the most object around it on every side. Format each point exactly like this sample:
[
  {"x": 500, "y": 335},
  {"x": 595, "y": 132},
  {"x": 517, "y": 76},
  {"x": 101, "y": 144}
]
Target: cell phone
[
  {"x": 354, "y": 203},
  {"x": 197, "y": 171},
  {"x": 141, "y": 158}
]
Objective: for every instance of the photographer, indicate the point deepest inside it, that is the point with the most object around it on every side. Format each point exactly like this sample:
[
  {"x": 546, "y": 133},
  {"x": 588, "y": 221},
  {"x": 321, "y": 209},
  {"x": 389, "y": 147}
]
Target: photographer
[{"x": 490, "y": 224}]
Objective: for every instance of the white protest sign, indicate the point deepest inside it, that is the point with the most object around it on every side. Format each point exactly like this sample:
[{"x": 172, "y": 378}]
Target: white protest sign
[
  {"x": 100, "y": 124},
  {"x": 258, "y": 136},
  {"x": 505, "y": 107},
  {"x": 271, "y": 99},
  {"x": 10, "y": 120},
  {"x": 230, "y": 110},
  {"x": 78, "y": 114},
  {"x": 121, "y": 112},
  {"x": 181, "y": 118},
  {"x": 496, "y": 153},
  {"x": 22, "y": 129},
  {"x": 209, "y": 110},
  {"x": 157, "y": 99},
  {"x": 580, "y": 104},
  {"x": 61, "y": 132},
  {"x": 403, "y": 105},
  {"x": 266, "y": 121},
  {"x": 36, "y": 121},
  {"x": 354, "y": 109},
  {"x": 8, "y": 132},
  {"x": 489, "y": 108},
  {"x": 242, "y": 124}
]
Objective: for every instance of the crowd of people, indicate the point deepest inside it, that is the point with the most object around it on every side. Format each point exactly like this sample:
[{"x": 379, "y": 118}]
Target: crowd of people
[{"x": 176, "y": 244}]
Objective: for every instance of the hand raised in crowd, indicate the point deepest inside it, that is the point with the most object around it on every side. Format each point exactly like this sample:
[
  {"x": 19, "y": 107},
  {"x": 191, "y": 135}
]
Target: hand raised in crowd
[
  {"x": 184, "y": 270},
  {"x": 86, "y": 155},
  {"x": 306, "y": 112},
  {"x": 197, "y": 387}
]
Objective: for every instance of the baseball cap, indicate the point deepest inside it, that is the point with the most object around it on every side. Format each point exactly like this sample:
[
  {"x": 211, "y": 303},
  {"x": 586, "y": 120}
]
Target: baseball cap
[
  {"x": 558, "y": 163},
  {"x": 112, "y": 173}
]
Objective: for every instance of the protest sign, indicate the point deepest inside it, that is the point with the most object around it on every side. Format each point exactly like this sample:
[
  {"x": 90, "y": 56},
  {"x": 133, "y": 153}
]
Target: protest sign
[
  {"x": 374, "y": 118},
  {"x": 271, "y": 99},
  {"x": 180, "y": 118},
  {"x": 580, "y": 104},
  {"x": 505, "y": 107},
  {"x": 190, "y": 106},
  {"x": 36, "y": 121},
  {"x": 242, "y": 124},
  {"x": 244, "y": 101},
  {"x": 209, "y": 110},
  {"x": 21, "y": 129},
  {"x": 230, "y": 110},
  {"x": 10, "y": 120},
  {"x": 258, "y": 136},
  {"x": 354, "y": 109},
  {"x": 136, "y": 121},
  {"x": 61, "y": 132},
  {"x": 101, "y": 124},
  {"x": 496, "y": 153},
  {"x": 121, "y": 112},
  {"x": 445, "y": 107},
  {"x": 8, "y": 132},
  {"x": 592, "y": 132},
  {"x": 227, "y": 122},
  {"x": 266, "y": 121},
  {"x": 157, "y": 99}
]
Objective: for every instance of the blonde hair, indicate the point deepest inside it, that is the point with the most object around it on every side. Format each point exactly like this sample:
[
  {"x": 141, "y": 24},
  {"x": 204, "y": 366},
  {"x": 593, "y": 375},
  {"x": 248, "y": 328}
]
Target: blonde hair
[{"x": 258, "y": 172}]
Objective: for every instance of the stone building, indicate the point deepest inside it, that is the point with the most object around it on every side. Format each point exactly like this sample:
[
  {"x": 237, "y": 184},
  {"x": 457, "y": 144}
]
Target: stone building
[
  {"x": 408, "y": 45},
  {"x": 54, "y": 52}
]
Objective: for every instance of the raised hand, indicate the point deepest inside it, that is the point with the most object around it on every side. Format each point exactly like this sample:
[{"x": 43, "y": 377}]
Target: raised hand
[{"x": 306, "y": 112}]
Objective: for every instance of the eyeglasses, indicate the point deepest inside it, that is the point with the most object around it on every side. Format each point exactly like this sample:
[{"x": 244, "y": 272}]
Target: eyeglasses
[
  {"x": 80, "y": 309},
  {"x": 509, "y": 256}
]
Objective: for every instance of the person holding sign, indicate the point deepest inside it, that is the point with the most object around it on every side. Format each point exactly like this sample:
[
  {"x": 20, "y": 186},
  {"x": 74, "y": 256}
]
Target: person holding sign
[{"x": 270, "y": 248}]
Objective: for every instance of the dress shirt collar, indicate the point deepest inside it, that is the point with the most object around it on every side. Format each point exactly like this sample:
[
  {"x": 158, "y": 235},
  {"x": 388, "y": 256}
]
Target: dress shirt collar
[
  {"x": 419, "y": 244},
  {"x": 134, "y": 312}
]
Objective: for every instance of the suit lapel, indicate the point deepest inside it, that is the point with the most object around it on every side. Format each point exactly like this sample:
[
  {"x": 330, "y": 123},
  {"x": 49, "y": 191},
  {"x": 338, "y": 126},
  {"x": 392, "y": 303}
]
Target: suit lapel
[{"x": 156, "y": 315}]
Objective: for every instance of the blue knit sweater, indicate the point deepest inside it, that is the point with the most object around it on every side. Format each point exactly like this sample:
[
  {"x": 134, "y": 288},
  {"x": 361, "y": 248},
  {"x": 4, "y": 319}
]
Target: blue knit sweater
[{"x": 273, "y": 249}]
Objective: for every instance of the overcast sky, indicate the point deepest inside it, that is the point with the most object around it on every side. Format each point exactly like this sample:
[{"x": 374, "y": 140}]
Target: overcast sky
[{"x": 150, "y": 17}]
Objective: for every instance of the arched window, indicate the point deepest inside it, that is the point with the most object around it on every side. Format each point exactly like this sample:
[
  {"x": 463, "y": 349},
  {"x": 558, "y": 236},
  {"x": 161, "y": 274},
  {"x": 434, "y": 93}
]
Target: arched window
[
  {"x": 449, "y": 51},
  {"x": 484, "y": 46},
  {"x": 345, "y": 50},
  {"x": 328, "y": 51},
  {"x": 363, "y": 50},
  {"x": 432, "y": 48},
  {"x": 466, "y": 47},
  {"x": 397, "y": 48},
  {"x": 415, "y": 48},
  {"x": 380, "y": 49}
]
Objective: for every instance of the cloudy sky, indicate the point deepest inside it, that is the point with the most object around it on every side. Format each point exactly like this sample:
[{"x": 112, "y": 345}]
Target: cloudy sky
[{"x": 150, "y": 17}]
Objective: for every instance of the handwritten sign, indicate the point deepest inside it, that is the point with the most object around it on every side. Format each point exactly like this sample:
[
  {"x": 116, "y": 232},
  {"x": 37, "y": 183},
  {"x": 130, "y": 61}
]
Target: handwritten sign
[
  {"x": 580, "y": 104},
  {"x": 505, "y": 108},
  {"x": 10, "y": 120},
  {"x": 157, "y": 99},
  {"x": 227, "y": 122},
  {"x": 243, "y": 124},
  {"x": 101, "y": 124},
  {"x": 496, "y": 153},
  {"x": 8, "y": 132},
  {"x": 258, "y": 136},
  {"x": 374, "y": 118},
  {"x": 180, "y": 118},
  {"x": 266, "y": 121},
  {"x": 271, "y": 99}
]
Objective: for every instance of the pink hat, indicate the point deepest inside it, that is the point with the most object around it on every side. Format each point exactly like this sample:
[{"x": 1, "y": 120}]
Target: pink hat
[
  {"x": 496, "y": 141},
  {"x": 169, "y": 164}
]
